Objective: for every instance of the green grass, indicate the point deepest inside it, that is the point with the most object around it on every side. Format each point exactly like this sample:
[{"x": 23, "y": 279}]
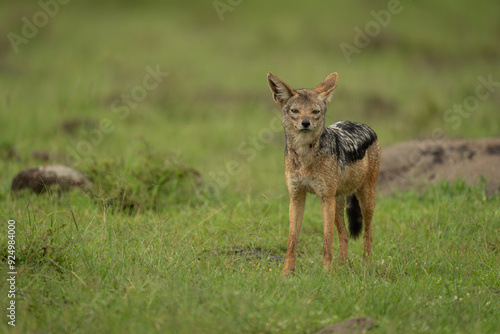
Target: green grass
[
  {"x": 435, "y": 267},
  {"x": 149, "y": 248}
]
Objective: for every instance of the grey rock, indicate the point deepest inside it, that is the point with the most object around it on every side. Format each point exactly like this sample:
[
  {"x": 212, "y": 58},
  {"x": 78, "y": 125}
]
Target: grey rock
[{"x": 40, "y": 178}]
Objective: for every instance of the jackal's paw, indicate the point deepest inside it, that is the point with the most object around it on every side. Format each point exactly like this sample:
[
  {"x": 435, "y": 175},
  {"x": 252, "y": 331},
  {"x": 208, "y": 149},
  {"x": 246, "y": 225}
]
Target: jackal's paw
[
  {"x": 341, "y": 261},
  {"x": 328, "y": 269},
  {"x": 327, "y": 266},
  {"x": 288, "y": 271},
  {"x": 367, "y": 257}
]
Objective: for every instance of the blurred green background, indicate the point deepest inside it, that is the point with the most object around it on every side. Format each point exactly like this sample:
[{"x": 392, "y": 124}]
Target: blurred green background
[{"x": 57, "y": 84}]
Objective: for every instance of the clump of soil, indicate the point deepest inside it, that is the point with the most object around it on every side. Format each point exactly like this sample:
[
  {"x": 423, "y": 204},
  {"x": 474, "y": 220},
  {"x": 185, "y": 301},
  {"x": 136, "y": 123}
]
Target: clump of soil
[{"x": 405, "y": 166}]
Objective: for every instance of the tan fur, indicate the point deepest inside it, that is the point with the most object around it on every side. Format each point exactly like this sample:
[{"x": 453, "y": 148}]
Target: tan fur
[{"x": 307, "y": 171}]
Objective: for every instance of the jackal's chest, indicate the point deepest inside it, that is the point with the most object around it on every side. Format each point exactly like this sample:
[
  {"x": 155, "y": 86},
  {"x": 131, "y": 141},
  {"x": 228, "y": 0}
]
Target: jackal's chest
[
  {"x": 319, "y": 178},
  {"x": 310, "y": 183}
]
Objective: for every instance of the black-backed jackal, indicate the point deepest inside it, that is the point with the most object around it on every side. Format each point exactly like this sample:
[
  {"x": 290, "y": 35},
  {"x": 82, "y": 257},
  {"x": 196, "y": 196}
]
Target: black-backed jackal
[{"x": 336, "y": 163}]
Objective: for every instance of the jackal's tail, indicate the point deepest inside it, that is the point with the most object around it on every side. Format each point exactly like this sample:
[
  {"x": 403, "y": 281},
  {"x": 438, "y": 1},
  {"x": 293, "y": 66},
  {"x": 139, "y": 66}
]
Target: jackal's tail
[{"x": 354, "y": 216}]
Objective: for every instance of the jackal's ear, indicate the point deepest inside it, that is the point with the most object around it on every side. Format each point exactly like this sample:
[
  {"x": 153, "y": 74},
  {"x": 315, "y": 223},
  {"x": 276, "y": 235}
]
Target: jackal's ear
[
  {"x": 325, "y": 89},
  {"x": 281, "y": 91}
]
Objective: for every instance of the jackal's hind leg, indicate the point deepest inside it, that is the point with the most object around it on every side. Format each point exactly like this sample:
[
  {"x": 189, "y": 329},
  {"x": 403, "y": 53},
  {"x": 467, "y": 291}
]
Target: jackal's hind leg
[{"x": 366, "y": 197}]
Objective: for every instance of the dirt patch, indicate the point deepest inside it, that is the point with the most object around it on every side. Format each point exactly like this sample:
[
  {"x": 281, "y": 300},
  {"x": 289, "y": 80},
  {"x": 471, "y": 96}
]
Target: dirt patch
[
  {"x": 351, "y": 326},
  {"x": 405, "y": 166},
  {"x": 254, "y": 254},
  {"x": 377, "y": 103},
  {"x": 71, "y": 126},
  {"x": 8, "y": 151},
  {"x": 41, "y": 155}
]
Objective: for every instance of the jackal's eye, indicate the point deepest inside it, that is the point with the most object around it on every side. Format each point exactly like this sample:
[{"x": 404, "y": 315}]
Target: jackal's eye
[
  {"x": 316, "y": 111},
  {"x": 294, "y": 111}
]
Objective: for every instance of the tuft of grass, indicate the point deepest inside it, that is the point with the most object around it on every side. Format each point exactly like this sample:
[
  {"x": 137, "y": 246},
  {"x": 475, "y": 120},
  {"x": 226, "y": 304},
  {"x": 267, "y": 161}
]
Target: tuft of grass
[{"x": 151, "y": 182}]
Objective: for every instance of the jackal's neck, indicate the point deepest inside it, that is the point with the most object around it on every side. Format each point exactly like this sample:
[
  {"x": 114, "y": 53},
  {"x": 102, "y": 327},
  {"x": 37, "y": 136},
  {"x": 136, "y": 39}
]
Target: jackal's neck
[{"x": 302, "y": 147}]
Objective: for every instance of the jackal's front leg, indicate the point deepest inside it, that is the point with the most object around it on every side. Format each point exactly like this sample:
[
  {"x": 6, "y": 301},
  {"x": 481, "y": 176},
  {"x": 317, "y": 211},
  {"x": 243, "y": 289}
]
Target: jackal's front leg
[
  {"x": 328, "y": 213},
  {"x": 333, "y": 213},
  {"x": 341, "y": 230},
  {"x": 296, "y": 214}
]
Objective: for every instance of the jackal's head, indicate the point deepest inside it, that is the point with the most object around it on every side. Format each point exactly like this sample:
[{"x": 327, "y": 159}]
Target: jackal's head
[{"x": 303, "y": 109}]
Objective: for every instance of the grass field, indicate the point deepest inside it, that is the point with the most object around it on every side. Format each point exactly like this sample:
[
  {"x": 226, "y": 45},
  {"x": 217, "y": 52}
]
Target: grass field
[{"x": 167, "y": 109}]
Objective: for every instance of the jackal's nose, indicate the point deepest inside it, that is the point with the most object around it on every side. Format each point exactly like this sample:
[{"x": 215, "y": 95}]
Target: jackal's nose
[{"x": 305, "y": 123}]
